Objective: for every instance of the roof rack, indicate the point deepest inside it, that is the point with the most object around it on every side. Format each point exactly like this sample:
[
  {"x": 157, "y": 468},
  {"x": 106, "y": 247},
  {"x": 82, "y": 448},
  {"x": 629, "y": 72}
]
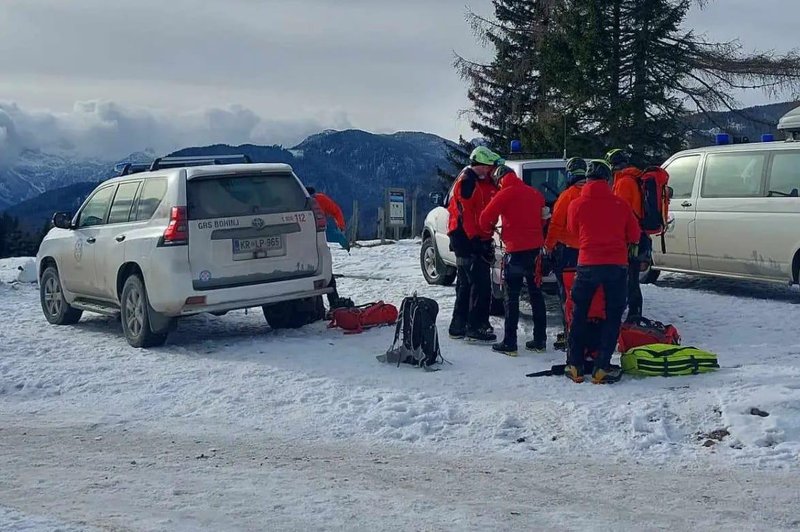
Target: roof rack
[
  {"x": 198, "y": 160},
  {"x": 517, "y": 156},
  {"x": 131, "y": 168}
]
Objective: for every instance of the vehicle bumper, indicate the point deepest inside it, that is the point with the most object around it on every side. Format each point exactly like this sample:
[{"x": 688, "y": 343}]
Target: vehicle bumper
[{"x": 188, "y": 310}]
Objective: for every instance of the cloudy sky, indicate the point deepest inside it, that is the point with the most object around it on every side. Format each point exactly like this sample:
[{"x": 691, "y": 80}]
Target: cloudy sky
[{"x": 114, "y": 76}]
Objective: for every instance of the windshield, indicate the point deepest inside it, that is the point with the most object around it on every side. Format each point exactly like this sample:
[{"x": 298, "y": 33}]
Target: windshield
[{"x": 549, "y": 181}]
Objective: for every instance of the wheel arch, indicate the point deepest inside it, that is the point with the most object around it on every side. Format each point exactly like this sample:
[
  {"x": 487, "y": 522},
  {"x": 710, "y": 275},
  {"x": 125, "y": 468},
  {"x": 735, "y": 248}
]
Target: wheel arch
[
  {"x": 125, "y": 271},
  {"x": 45, "y": 263},
  {"x": 796, "y": 267}
]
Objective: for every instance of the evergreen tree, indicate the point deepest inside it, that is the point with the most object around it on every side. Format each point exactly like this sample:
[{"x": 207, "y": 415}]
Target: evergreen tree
[{"x": 458, "y": 157}]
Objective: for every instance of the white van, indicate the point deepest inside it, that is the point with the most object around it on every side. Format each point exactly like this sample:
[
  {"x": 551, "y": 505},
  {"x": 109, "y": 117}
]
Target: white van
[{"x": 733, "y": 213}]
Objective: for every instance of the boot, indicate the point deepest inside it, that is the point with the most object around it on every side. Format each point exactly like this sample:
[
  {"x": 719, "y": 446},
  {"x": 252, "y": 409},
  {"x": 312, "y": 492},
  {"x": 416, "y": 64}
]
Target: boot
[
  {"x": 457, "y": 330},
  {"x": 537, "y": 346},
  {"x": 574, "y": 373},
  {"x": 561, "y": 342},
  {"x": 606, "y": 376},
  {"x": 506, "y": 349},
  {"x": 480, "y": 335}
]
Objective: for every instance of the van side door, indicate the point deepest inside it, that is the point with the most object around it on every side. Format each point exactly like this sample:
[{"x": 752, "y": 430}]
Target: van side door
[
  {"x": 780, "y": 241},
  {"x": 681, "y": 249},
  {"x": 730, "y": 211}
]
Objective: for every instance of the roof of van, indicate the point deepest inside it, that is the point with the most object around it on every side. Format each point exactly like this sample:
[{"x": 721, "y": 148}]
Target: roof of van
[
  {"x": 751, "y": 146},
  {"x": 790, "y": 120},
  {"x": 542, "y": 163}
]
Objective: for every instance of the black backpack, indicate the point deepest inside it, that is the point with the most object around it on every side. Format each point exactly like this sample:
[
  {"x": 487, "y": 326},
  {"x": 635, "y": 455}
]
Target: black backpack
[{"x": 416, "y": 340}]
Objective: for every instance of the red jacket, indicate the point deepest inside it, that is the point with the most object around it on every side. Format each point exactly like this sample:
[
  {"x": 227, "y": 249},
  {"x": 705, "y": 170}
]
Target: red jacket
[
  {"x": 471, "y": 195},
  {"x": 626, "y": 186},
  {"x": 557, "y": 230},
  {"x": 330, "y": 208},
  {"x": 605, "y": 225},
  {"x": 521, "y": 208}
]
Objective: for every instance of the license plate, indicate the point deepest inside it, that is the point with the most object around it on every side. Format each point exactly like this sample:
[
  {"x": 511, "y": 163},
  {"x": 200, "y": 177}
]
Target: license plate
[{"x": 255, "y": 248}]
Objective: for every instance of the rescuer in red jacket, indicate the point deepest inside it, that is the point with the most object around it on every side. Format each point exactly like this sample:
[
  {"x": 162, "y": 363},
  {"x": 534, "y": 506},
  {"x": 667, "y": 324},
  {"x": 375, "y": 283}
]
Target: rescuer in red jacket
[
  {"x": 521, "y": 208},
  {"x": 473, "y": 247},
  {"x": 608, "y": 233}
]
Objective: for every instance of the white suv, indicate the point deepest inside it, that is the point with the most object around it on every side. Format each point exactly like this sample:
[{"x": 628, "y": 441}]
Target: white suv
[
  {"x": 437, "y": 261},
  {"x": 178, "y": 240}
]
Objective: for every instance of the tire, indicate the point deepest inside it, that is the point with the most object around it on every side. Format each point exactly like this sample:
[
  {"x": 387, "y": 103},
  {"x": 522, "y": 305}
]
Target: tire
[
  {"x": 649, "y": 276},
  {"x": 51, "y": 296},
  {"x": 135, "y": 315},
  {"x": 433, "y": 269},
  {"x": 294, "y": 314}
]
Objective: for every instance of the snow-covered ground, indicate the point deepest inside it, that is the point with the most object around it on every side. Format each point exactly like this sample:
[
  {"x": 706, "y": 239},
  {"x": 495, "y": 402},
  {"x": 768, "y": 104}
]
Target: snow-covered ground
[{"x": 233, "y": 426}]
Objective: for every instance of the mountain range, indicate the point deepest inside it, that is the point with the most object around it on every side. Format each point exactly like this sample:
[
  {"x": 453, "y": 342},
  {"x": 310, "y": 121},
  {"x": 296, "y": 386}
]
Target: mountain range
[{"x": 347, "y": 165}]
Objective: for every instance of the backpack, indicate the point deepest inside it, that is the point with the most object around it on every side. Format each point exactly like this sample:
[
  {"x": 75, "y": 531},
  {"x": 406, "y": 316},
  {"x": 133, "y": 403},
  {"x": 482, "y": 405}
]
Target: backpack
[
  {"x": 668, "y": 360},
  {"x": 416, "y": 340},
  {"x": 355, "y": 320},
  {"x": 644, "y": 332},
  {"x": 655, "y": 202}
]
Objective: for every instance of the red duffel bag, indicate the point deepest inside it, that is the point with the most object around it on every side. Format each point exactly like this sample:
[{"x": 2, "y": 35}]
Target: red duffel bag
[
  {"x": 645, "y": 332},
  {"x": 355, "y": 319}
]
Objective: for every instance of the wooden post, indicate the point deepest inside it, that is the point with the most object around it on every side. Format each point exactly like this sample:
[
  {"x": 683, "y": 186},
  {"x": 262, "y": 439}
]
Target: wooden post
[
  {"x": 381, "y": 225},
  {"x": 414, "y": 227},
  {"x": 354, "y": 223}
]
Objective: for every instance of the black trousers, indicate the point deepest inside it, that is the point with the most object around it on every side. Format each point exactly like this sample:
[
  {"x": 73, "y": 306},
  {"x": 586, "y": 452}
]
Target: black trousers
[
  {"x": 563, "y": 257},
  {"x": 333, "y": 297},
  {"x": 519, "y": 268},
  {"x": 473, "y": 292},
  {"x": 635, "y": 300},
  {"x": 587, "y": 280}
]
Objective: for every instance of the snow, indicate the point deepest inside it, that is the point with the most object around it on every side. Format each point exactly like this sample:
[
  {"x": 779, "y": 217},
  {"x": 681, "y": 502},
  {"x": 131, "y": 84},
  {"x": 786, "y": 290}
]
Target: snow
[{"x": 345, "y": 442}]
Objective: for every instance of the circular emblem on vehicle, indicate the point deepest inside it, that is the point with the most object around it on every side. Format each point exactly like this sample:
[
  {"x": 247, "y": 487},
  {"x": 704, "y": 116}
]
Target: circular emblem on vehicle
[
  {"x": 205, "y": 276},
  {"x": 78, "y": 250},
  {"x": 258, "y": 223}
]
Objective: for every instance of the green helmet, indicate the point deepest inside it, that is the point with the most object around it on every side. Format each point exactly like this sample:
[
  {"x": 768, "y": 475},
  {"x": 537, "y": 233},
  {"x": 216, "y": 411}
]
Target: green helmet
[
  {"x": 576, "y": 166},
  {"x": 598, "y": 169},
  {"x": 485, "y": 156},
  {"x": 617, "y": 158}
]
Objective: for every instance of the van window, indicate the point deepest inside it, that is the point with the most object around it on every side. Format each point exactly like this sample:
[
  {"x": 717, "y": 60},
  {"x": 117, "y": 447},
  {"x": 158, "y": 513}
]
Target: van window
[
  {"x": 123, "y": 201},
  {"x": 733, "y": 175},
  {"x": 784, "y": 178},
  {"x": 152, "y": 194},
  {"x": 244, "y": 195},
  {"x": 682, "y": 172},
  {"x": 549, "y": 181},
  {"x": 94, "y": 213}
]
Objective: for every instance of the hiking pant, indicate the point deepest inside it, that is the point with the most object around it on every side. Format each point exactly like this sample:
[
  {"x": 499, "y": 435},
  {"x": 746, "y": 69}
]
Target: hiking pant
[
  {"x": 333, "y": 297},
  {"x": 588, "y": 279},
  {"x": 473, "y": 292},
  {"x": 635, "y": 300},
  {"x": 563, "y": 257},
  {"x": 518, "y": 267}
]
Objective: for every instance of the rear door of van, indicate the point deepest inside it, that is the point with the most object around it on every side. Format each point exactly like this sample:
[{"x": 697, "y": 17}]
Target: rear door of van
[{"x": 249, "y": 228}]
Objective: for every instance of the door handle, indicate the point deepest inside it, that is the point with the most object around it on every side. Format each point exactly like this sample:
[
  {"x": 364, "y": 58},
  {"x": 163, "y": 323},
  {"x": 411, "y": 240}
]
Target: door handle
[
  {"x": 120, "y": 238},
  {"x": 686, "y": 204},
  {"x": 91, "y": 240}
]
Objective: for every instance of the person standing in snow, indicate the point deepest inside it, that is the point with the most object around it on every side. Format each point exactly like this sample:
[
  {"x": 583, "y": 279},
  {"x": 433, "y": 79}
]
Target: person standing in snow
[
  {"x": 523, "y": 211},
  {"x": 627, "y": 187},
  {"x": 607, "y": 230},
  {"x": 332, "y": 234},
  {"x": 561, "y": 244},
  {"x": 473, "y": 247}
]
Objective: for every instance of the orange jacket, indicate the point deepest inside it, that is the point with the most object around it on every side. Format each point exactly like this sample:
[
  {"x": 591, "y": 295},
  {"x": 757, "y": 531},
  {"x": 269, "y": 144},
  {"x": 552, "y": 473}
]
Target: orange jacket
[
  {"x": 330, "y": 208},
  {"x": 558, "y": 230},
  {"x": 521, "y": 208},
  {"x": 626, "y": 187}
]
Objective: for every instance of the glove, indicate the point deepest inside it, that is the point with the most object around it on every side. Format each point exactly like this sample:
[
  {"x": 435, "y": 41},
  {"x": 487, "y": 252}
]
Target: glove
[{"x": 633, "y": 251}]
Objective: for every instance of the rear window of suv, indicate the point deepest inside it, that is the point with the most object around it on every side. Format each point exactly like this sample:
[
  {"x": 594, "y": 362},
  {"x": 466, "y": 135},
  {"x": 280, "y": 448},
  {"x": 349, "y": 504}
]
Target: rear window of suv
[{"x": 243, "y": 195}]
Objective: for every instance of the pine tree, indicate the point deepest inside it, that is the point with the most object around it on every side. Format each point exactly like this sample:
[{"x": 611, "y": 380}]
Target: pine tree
[
  {"x": 509, "y": 96},
  {"x": 458, "y": 157}
]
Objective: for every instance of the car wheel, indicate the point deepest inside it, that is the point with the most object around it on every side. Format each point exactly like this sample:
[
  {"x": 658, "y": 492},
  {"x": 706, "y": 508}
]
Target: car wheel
[
  {"x": 433, "y": 269},
  {"x": 51, "y": 295},
  {"x": 649, "y": 276},
  {"x": 294, "y": 314},
  {"x": 135, "y": 316}
]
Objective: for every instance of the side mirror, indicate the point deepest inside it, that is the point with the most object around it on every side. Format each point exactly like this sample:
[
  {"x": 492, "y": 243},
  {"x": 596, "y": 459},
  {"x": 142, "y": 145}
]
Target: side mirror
[
  {"x": 670, "y": 192},
  {"x": 437, "y": 199},
  {"x": 62, "y": 220}
]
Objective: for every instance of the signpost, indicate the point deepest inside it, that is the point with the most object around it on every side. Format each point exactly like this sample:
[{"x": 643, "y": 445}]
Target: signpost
[{"x": 396, "y": 210}]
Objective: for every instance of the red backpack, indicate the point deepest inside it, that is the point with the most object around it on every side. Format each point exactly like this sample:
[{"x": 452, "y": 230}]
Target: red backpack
[
  {"x": 355, "y": 319},
  {"x": 646, "y": 332},
  {"x": 655, "y": 202}
]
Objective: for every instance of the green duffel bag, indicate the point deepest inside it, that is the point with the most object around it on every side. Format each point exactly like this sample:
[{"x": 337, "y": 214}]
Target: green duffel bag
[{"x": 668, "y": 360}]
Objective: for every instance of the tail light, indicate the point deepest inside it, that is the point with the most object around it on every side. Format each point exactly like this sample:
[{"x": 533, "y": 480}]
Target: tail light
[
  {"x": 177, "y": 232},
  {"x": 319, "y": 216}
]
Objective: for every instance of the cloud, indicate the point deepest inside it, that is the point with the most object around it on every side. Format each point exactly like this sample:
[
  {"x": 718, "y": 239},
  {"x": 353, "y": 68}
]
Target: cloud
[{"x": 110, "y": 130}]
